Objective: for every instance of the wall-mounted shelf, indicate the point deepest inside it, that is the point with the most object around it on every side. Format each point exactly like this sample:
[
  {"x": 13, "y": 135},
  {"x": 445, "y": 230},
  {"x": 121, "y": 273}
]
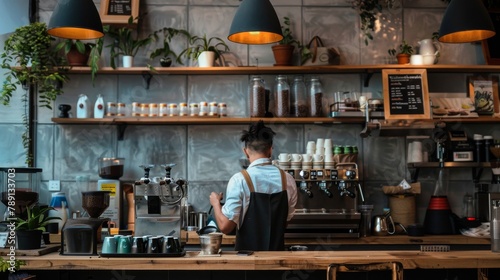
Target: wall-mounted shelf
[{"x": 477, "y": 168}]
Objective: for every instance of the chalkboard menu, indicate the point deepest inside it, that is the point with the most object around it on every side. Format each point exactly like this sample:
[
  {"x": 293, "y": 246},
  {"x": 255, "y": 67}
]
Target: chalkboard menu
[
  {"x": 406, "y": 94},
  {"x": 120, "y": 7}
]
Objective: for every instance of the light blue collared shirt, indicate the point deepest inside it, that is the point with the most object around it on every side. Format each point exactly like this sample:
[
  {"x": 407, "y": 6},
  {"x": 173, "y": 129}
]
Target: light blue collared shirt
[{"x": 266, "y": 178}]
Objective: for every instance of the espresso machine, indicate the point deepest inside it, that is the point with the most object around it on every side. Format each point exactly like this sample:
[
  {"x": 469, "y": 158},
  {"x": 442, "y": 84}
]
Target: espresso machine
[
  {"x": 158, "y": 203},
  {"x": 327, "y": 202}
]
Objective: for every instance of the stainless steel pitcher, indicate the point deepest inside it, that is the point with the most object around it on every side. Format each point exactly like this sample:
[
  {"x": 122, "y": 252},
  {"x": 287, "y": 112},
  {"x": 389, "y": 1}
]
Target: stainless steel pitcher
[{"x": 380, "y": 225}]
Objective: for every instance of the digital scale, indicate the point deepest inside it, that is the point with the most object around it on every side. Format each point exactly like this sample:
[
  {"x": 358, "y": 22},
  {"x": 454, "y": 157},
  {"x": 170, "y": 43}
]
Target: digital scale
[{"x": 460, "y": 147}]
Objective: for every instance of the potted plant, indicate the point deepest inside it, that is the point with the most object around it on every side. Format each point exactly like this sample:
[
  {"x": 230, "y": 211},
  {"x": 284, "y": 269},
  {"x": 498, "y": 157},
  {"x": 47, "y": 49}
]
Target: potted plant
[
  {"x": 76, "y": 52},
  {"x": 284, "y": 49},
  {"x": 165, "y": 52},
  {"x": 205, "y": 50},
  {"x": 403, "y": 53},
  {"x": 30, "y": 61},
  {"x": 125, "y": 43},
  {"x": 29, "y": 230}
]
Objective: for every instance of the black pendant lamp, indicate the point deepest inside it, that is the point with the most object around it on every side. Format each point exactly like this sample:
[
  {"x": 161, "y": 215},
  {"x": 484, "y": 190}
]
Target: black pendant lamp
[
  {"x": 466, "y": 21},
  {"x": 76, "y": 19},
  {"x": 256, "y": 23}
]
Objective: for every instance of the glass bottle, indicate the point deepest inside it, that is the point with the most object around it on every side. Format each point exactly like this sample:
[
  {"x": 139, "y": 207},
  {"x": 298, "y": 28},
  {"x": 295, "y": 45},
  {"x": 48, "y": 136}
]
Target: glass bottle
[
  {"x": 257, "y": 92},
  {"x": 315, "y": 92},
  {"x": 298, "y": 100},
  {"x": 282, "y": 97}
]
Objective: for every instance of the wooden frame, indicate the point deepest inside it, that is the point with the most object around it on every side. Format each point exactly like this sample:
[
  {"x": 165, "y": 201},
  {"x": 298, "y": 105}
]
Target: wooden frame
[
  {"x": 487, "y": 87},
  {"x": 122, "y": 10},
  {"x": 406, "y": 94}
]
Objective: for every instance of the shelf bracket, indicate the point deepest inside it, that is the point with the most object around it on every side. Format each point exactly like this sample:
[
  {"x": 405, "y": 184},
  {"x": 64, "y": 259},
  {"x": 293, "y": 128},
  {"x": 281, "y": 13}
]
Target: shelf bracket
[
  {"x": 146, "y": 76},
  {"x": 120, "y": 129},
  {"x": 368, "y": 76},
  {"x": 476, "y": 174}
]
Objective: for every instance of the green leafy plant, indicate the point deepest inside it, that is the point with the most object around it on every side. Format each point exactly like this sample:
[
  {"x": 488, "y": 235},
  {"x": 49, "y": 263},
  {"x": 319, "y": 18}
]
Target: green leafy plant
[
  {"x": 29, "y": 59},
  {"x": 6, "y": 265},
  {"x": 367, "y": 10},
  {"x": 289, "y": 39},
  {"x": 37, "y": 219},
  {"x": 197, "y": 45},
  {"x": 126, "y": 41},
  {"x": 68, "y": 44},
  {"x": 165, "y": 51},
  {"x": 403, "y": 48}
]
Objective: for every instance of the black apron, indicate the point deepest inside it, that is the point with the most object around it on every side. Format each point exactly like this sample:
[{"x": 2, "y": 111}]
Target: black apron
[{"x": 263, "y": 228}]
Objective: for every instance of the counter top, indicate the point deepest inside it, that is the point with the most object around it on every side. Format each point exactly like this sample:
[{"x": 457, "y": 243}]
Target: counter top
[{"x": 286, "y": 260}]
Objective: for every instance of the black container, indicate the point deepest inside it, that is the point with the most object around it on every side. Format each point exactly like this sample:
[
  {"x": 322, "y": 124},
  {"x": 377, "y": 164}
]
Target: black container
[{"x": 438, "y": 218}]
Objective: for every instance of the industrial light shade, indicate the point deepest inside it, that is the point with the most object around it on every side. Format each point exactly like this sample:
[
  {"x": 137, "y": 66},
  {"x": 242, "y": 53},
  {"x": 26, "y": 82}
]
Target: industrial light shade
[
  {"x": 76, "y": 19},
  {"x": 466, "y": 21},
  {"x": 255, "y": 22}
]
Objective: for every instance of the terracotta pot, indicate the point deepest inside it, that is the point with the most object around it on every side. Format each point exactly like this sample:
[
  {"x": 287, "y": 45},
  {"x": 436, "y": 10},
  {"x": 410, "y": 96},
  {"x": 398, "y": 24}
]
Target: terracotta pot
[
  {"x": 76, "y": 58},
  {"x": 403, "y": 58},
  {"x": 283, "y": 54}
]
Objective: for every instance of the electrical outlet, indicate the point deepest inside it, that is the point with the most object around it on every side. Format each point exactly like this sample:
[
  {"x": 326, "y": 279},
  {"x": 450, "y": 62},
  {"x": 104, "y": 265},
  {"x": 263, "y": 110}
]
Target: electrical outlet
[{"x": 54, "y": 185}]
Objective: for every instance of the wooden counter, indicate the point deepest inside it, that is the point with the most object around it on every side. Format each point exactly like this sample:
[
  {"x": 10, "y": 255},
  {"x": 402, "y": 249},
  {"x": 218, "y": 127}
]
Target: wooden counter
[{"x": 286, "y": 260}]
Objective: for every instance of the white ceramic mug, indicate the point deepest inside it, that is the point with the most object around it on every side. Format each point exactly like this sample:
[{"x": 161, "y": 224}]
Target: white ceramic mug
[
  {"x": 318, "y": 158},
  {"x": 296, "y": 157},
  {"x": 311, "y": 145},
  {"x": 284, "y": 157},
  {"x": 416, "y": 59},
  {"x": 328, "y": 158},
  {"x": 307, "y": 157}
]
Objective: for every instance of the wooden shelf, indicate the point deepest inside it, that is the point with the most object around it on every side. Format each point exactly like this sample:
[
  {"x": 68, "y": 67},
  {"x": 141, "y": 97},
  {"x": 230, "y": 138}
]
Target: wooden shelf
[
  {"x": 204, "y": 120},
  {"x": 261, "y": 70}
]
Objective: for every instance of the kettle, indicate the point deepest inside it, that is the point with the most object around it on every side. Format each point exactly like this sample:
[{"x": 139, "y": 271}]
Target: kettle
[
  {"x": 429, "y": 46},
  {"x": 381, "y": 226}
]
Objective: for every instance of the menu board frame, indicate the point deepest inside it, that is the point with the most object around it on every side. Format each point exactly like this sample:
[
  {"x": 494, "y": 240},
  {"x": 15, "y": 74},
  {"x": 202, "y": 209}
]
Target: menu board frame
[
  {"x": 426, "y": 114},
  {"x": 114, "y": 19}
]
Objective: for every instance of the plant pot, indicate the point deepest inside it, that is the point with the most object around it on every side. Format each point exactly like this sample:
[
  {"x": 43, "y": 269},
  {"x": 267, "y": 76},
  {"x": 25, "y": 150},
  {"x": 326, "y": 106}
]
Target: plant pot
[
  {"x": 403, "y": 58},
  {"x": 206, "y": 59},
  {"x": 165, "y": 61},
  {"x": 283, "y": 54},
  {"x": 127, "y": 61},
  {"x": 28, "y": 239},
  {"x": 76, "y": 58}
]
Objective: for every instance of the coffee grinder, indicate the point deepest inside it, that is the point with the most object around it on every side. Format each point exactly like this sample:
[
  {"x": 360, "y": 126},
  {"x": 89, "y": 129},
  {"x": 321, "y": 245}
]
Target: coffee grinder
[
  {"x": 110, "y": 170},
  {"x": 80, "y": 236},
  {"x": 22, "y": 185},
  {"x": 158, "y": 203}
]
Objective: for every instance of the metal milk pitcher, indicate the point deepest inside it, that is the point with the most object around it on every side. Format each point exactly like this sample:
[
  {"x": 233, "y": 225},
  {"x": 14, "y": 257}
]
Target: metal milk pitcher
[{"x": 381, "y": 227}]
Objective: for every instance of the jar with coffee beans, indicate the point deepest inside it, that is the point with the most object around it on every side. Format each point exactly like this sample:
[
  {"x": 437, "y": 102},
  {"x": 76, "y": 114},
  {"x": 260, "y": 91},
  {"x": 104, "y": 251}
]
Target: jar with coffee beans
[
  {"x": 298, "y": 99},
  {"x": 281, "y": 97},
  {"x": 315, "y": 92},
  {"x": 257, "y": 92}
]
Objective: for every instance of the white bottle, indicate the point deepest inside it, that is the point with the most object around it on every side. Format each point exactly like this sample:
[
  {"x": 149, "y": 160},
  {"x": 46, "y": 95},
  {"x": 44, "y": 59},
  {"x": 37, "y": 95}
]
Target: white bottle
[
  {"x": 99, "y": 107},
  {"x": 82, "y": 107}
]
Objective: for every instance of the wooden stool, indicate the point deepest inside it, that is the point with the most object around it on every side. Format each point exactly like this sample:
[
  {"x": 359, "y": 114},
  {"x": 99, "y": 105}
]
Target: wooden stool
[{"x": 396, "y": 267}]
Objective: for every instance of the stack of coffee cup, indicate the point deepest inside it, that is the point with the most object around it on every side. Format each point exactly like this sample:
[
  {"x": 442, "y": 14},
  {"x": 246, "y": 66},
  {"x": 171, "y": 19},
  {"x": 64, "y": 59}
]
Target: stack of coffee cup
[
  {"x": 307, "y": 161},
  {"x": 296, "y": 161},
  {"x": 311, "y": 148},
  {"x": 284, "y": 160},
  {"x": 328, "y": 147}
]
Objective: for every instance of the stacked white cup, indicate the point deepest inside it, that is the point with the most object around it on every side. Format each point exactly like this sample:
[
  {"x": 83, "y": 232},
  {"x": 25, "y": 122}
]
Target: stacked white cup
[
  {"x": 296, "y": 161},
  {"x": 285, "y": 160},
  {"x": 307, "y": 161},
  {"x": 311, "y": 148},
  {"x": 329, "y": 163}
]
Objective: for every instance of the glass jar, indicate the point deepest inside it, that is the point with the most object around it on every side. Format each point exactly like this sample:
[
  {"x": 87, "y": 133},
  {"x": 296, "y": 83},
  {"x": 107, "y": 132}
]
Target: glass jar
[
  {"x": 111, "y": 109},
  {"x": 183, "y": 109},
  {"x": 153, "y": 110},
  {"x": 121, "y": 110},
  {"x": 136, "y": 109},
  {"x": 203, "y": 109},
  {"x": 281, "y": 97},
  {"x": 163, "y": 111},
  {"x": 315, "y": 92},
  {"x": 213, "y": 110},
  {"x": 298, "y": 100},
  {"x": 173, "y": 110},
  {"x": 257, "y": 92},
  {"x": 222, "y": 109},
  {"x": 194, "y": 109}
]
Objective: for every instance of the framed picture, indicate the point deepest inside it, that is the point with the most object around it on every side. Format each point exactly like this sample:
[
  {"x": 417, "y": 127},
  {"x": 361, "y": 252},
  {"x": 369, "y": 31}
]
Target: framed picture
[
  {"x": 483, "y": 91},
  {"x": 117, "y": 12},
  {"x": 406, "y": 94}
]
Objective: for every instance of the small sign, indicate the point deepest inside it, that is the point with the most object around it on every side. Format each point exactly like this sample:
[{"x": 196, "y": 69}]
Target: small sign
[
  {"x": 406, "y": 94},
  {"x": 118, "y": 12}
]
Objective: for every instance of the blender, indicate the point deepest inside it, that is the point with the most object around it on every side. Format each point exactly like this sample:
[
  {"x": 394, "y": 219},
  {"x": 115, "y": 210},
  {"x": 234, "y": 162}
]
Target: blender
[
  {"x": 110, "y": 171},
  {"x": 80, "y": 236}
]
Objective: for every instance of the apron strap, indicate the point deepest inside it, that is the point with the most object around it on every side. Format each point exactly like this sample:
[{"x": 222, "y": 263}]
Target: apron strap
[
  {"x": 249, "y": 181},
  {"x": 250, "y": 184}
]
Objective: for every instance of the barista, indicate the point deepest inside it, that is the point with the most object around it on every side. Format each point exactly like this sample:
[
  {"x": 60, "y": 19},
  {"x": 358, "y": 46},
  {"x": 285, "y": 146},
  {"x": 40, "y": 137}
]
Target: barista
[{"x": 259, "y": 200}]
